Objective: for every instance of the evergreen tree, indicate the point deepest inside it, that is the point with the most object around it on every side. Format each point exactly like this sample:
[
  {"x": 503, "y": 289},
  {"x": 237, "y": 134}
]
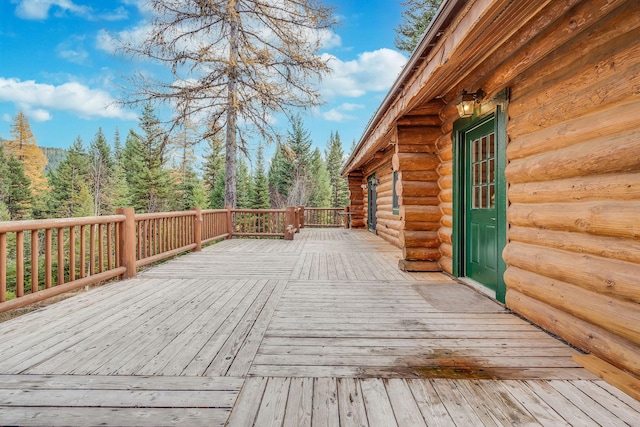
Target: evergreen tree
[
  {"x": 100, "y": 170},
  {"x": 119, "y": 190},
  {"x": 25, "y": 149},
  {"x": 190, "y": 191},
  {"x": 70, "y": 196},
  {"x": 4, "y": 175},
  {"x": 216, "y": 196},
  {"x": 260, "y": 191},
  {"x": 416, "y": 17},
  {"x": 213, "y": 165},
  {"x": 335, "y": 159},
  {"x": 184, "y": 177},
  {"x": 18, "y": 197},
  {"x": 144, "y": 159},
  {"x": 299, "y": 142},
  {"x": 320, "y": 193},
  {"x": 244, "y": 185},
  {"x": 280, "y": 176}
]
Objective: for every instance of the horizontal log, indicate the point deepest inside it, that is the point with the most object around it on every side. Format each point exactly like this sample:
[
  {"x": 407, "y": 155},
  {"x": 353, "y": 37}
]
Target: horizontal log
[
  {"x": 391, "y": 224},
  {"x": 382, "y": 228},
  {"x": 357, "y": 222},
  {"x": 431, "y": 176},
  {"x": 417, "y": 188},
  {"x": 388, "y": 215},
  {"x": 609, "y": 92},
  {"x": 414, "y": 161},
  {"x": 611, "y": 154},
  {"x": 446, "y": 182},
  {"x": 583, "y": 335},
  {"x": 391, "y": 239},
  {"x": 419, "y": 120},
  {"x": 446, "y": 250},
  {"x": 619, "y": 317},
  {"x": 446, "y": 263},
  {"x": 445, "y": 169},
  {"x": 422, "y": 226},
  {"x": 447, "y": 208},
  {"x": 615, "y": 219},
  {"x": 595, "y": 50},
  {"x": 446, "y": 221},
  {"x": 430, "y": 201},
  {"x": 412, "y": 213},
  {"x": 421, "y": 253},
  {"x": 609, "y": 277},
  {"x": 611, "y": 61},
  {"x": 619, "y": 248},
  {"x": 444, "y": 235},
  {"x": 419, "y": 238},
  {"x": 445, "y": 142},
  {"x": 410, "y": 265},
  {"x": 422, "y": 135},
  {"x": 615, "y": 119},
  {"x": 624, "y": 186},
  {"x": 553, "y": 35},
  {"x": 446, "y": 195},
  {"x": 446, "y": 154}
]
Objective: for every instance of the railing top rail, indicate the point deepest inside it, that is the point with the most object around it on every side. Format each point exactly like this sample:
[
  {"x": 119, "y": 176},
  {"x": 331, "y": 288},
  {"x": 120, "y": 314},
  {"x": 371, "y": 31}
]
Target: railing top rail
[
  {"x": 159, "y": 215},
  {"x": 44, "y": 224},
  {"x": 323, "y": 209},
  {"x": 210, "y": 211},
  {"x": 258, "y": 210}
]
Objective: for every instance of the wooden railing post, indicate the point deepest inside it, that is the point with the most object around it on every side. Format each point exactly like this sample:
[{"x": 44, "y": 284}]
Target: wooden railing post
[
  {"x": 197, "y": 230},
  {"x": 229, "y": 222},
  {"x": 289, "y": 223},
  {"x": 301, "y": 217},
  {"x": 347, "y": 218},
  {"x": 127, "y": 242}
]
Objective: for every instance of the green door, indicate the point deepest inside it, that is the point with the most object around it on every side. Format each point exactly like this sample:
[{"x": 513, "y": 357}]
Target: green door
[{"x": 481, "y": 231}]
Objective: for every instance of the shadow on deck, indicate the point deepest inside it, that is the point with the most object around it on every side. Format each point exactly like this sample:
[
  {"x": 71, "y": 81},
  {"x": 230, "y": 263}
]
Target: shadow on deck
[{"x": 322, "y": 330}]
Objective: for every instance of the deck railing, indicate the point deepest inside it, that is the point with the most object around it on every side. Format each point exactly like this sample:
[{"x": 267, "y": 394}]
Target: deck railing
[
  {"x": 325, "y": 217},
  {"x": 60, "y": 255}
]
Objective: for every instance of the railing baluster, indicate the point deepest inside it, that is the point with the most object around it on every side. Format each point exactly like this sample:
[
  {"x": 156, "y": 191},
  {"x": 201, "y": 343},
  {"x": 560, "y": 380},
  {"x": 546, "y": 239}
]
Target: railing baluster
[
  {"x": 19, "y": 263},
  {"x": 3, "y": 267},
  {"x": 83, "y": 248},
  {"x": 92, "y": 250},
  {"x": 100, "y": 248},
  {"x": 48, "y": 271},
  {"x": 109, "y": 248},
  {"x": 34, "y": 261},
  {"x": 60, "y": 256},
  {"x": 140, "y": 241},
  {"x": 72, "y": 253}
]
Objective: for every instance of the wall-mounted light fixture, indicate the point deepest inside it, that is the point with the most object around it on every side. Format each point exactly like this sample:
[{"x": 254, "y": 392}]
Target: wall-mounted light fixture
[
  {"x": 467, "y": 102},
  {"x": 363, "y": 186},
  {"x": 375, "y": 182}
]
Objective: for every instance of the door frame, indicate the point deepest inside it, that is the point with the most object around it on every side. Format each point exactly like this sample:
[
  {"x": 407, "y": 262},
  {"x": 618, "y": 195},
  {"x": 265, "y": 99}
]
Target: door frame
[{"x": 499, "y": 116}]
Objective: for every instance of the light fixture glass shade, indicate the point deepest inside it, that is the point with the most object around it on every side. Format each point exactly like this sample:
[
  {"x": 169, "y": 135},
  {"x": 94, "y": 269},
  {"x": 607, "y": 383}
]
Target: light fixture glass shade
[{"x": 466, "y": 104}]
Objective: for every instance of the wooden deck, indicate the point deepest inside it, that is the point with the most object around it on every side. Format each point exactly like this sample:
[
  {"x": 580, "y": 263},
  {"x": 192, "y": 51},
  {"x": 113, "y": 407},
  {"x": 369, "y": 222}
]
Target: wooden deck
[{"x": 323, "y": 330}]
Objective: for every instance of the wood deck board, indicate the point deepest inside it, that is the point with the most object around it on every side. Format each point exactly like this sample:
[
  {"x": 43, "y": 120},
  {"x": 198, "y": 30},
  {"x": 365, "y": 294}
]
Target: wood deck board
[{"x": 321, "y": 331}]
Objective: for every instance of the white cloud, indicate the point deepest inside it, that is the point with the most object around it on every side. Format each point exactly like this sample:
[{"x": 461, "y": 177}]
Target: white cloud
[
  {"x": 370, "y": 72},
  {"x": 39, "y": 9},
  {"x": 7, "y": 118},
  {"x": 73, "y": 50},
  {"x": 71, "y": 97},
  {"x": 39, "y": 115},
  {"x": 338, "y": 114},
  {"x": 135, "y": 36}
]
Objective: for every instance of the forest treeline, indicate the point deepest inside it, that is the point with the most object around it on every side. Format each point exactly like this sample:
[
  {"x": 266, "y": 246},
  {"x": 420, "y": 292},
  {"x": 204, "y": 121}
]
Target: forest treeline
[{"x": 156, "y": 171}]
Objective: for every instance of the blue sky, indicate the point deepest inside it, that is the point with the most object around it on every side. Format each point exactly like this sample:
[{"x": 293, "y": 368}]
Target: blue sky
[{"x": 56, "y": 67}]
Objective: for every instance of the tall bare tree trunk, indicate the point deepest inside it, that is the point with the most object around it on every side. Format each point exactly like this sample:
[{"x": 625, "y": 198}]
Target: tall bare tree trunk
[{"x": 230, "y": 195}]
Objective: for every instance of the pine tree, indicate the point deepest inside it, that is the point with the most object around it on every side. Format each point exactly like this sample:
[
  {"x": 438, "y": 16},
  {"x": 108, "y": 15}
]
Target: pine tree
[
  {"x": 260, "y": 191},
  {"x": 244, "y": 185},
  {"x": 299, "y": 142},
  {"x": 280, "y": 176},
  {"x": 4, "y": 176},
  {"x": 25, "y": 149},
  {"x": 335, "y": 159},
  {"x": 216, "y": 196},
  {"x": 100, "y": 170},
  {"x": 119, "y": 190},
  {"x": 213, "y": 165},
  {"x": 70, "y": 195},
  {"x": 144, "y": 157},
  {"x": 320, "y": 193},
  {"x": 18, "y": 198},
  {"x": 416, "y": 17}
]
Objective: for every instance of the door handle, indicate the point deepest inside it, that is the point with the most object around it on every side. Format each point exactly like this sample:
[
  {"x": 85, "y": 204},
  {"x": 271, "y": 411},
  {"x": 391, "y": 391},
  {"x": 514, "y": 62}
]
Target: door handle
[{"x": 493, "y": 219}]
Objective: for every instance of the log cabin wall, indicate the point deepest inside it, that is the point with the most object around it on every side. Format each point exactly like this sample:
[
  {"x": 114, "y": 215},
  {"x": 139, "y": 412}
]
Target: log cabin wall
[
  {"x": 387, "y": 223},
  {"x": 573, "y": 255},
  {"x": 357, "y": 199}
]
